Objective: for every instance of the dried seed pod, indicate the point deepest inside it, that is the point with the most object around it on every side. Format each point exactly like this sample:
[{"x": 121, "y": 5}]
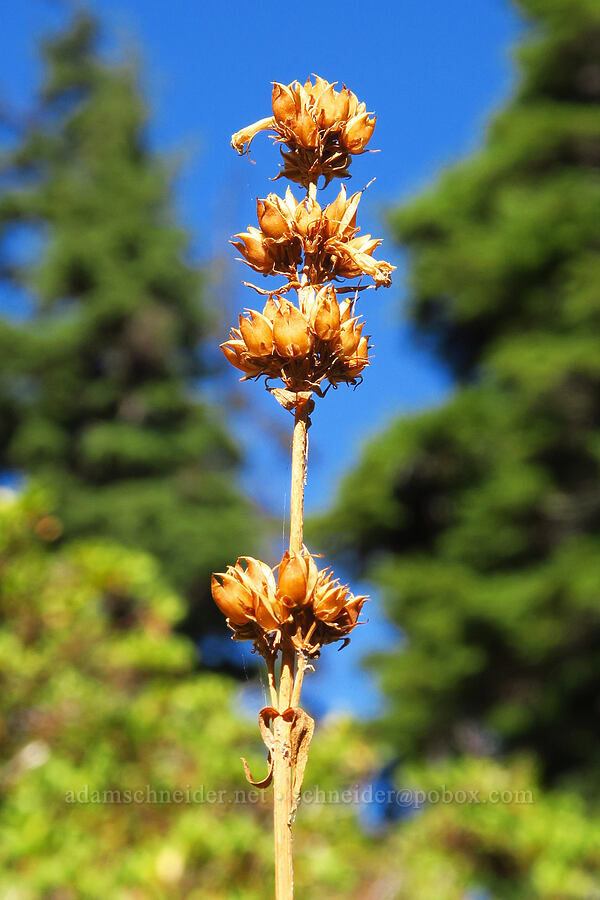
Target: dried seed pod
[
  {"x": 284, "y": 104},
  {"x": 236, "y": 353},
  {"x": 340, "y": 216},
  {"x": 307, "y": 217},
  {"x": 297, "y": 578},
  {"x": 254, "y": 251},
  {"x": 322, "y": 311},
  {"x": 246, "y": 593},
  {"x": 274, "y": 217},
  {"x": 357, "y": 132},
  {"x": 335, "y": 606},
  {"x": 332, "y": 107},
  {"x": 291, "y": 332},
  {"x": 257, "y": 333},
  {"x": 325, "y": 319},
  {"x": 232, "y": 597},
  {"x": 360, "y": 360},
  {"x": 349, "y": 338},
  {"x": 322, "y": 127}
]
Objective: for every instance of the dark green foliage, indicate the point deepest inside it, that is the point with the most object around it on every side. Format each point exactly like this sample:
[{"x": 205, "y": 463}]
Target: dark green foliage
[
  {"x": 99, "y": 386},
  {"x": 481, "y": 519}
]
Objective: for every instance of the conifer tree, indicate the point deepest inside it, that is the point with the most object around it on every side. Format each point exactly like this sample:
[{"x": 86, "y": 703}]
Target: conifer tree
[
  {"x": 100, "y": 384},
  {"x": 481, "y": 518}
]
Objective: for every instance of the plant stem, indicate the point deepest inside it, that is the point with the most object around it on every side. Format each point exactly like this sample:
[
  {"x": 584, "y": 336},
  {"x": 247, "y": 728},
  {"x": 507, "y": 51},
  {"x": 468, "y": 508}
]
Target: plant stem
[
  {"x": 270, "y": 660},
  {"x": 295, "y": 701},
  {"x": 299, "y": 448},
  {"x": 282, "y": 810},
  {"x": 289, "y": 693}
]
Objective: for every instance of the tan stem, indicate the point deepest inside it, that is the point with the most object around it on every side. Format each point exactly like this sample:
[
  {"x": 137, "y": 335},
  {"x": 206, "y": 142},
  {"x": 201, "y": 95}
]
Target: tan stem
[
  {"x": 282, "y": 784},
  {"x": 288, "y": 696},
  {"x": 271, "y": 676},
  {"x": 299, "y": 449},
  {"x": 298, "y": 681},
  {"x": 282, "y": 810},
  {"x": 286, "y": 682}
]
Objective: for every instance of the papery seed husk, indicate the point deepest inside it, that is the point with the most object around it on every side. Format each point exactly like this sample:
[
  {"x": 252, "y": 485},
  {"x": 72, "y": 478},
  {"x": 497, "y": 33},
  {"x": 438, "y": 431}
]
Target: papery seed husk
[
  {"x": 291, "y": 333},
  {"x": 232, "y": 598},
  {"x": 297, "y": 577},
  {"x": 257, "y": 334}
]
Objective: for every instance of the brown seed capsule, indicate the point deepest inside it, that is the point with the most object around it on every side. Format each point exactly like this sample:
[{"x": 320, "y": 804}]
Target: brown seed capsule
[
  {"x": 350, "y": 334},
  {"x": 291, "y": 333},
  {"x": 330, "y": 597},
  {"x": 325, "y": 315},
  {"x": 340, "y": 216},
  {"x": 246, "y": 593},
  {"x": 273, "y": 217},
  {"x": 334, "y": 605},
  {"x": 271, "y": 308},
  {"x": 284, "y": 104},
  {"x": 236, "y": 353},
  {"x": 332, "y": 107},
  {"x": 297, "y": 578},
  {"x": 351, "y": 612},
  {"x": 307, "y": 217},
  {"x": 268, "y": 610},
  {"x": 232, "y": 597},
  {"x": 257, "y": 333},
  {"x": 306, "y": 130},
  {"x": 252, "y": 247},
  {"x": 360, "y": 360},
  {"x": 356, "y": 134}
]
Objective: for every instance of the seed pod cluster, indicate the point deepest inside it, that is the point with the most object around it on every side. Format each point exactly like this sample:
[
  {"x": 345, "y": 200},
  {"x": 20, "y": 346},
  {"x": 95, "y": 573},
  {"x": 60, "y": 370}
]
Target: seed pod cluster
[
  {"x": 307, "y": 606},
  {"x": 321, "y": 127},
  {"x": 321, "y": 339},
  {"x": 325, "y": 241},
  {"x": 306, "y": 346}
]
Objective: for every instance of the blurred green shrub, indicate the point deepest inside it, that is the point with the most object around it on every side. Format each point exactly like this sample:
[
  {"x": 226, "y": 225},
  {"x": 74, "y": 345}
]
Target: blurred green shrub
[
  {"x": 508, "y": 840},
  {"x": 97, "y": 694}
]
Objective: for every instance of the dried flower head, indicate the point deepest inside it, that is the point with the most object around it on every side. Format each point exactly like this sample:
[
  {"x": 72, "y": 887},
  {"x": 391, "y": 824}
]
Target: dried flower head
[
  {"x": 321, "y": 127},
  {"x": 303, "y": 346},
  {"x": 324, "y": 241},
  {"x": 308, "y": 606}
]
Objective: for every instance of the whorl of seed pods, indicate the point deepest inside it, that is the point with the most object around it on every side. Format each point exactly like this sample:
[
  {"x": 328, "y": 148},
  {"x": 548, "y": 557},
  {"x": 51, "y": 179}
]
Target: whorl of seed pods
[
  {"x": 325, "y": 240},
  {"x": 321, "y": 127},
  {"x": 322, "y": 339},
  {"x": 306, "y": 605},
  {"x": 317, "y": 340}
]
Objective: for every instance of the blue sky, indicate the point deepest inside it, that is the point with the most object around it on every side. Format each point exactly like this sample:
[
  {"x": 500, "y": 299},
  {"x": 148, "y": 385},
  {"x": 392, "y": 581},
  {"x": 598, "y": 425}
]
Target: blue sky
[{"x": 433, "y": 72}]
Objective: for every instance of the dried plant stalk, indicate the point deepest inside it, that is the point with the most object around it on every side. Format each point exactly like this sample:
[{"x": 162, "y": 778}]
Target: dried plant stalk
[
  {"x": 299, "y": 461},
  {"x": 315, "y": 342}
]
